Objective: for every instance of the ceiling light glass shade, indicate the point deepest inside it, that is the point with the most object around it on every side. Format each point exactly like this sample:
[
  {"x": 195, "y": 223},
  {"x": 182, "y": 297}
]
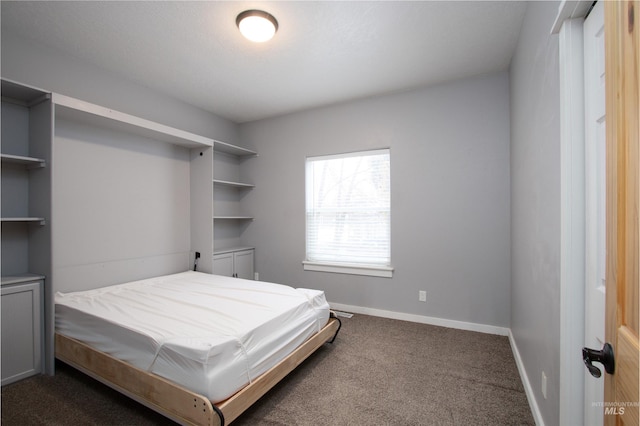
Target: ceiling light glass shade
[{"x": 257, "y": 25}]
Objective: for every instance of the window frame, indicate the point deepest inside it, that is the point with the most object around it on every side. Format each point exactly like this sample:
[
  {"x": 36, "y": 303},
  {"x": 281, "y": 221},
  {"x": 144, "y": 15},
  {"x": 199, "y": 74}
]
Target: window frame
[{"x": 374, "y": 270}]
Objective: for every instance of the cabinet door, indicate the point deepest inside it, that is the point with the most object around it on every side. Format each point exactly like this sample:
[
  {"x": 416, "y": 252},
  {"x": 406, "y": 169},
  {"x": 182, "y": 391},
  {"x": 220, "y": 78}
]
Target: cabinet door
[
  {"x": 223, "y": 264},
  {"x": 243, "y": 263},
  {"x": 21, "y": 331}
]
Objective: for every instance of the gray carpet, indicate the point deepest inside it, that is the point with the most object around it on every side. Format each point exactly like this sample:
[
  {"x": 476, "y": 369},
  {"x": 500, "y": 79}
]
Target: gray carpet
[{"x": 378, "y": 372}]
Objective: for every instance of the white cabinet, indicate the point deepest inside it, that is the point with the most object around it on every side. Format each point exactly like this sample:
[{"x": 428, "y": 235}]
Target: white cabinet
[
  {"x": 236, "y": 263},
  {"x": 22, "y": 327}
]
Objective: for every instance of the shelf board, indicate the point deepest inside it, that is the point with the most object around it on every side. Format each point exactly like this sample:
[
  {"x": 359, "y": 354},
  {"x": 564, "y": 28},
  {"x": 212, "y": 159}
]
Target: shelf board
[
  {"x": 23, "y": 219},
  {"x": 232, "y": 249},
  {"x": 233, "y": 184},
  {"x": 85, "y": 112},
  {"x": 21, "y": 278},
  {"x": 22, "y": 94},
  {"x": 227, "y": 148},
  {"x": 19, "y": 159},
  {"x": 232, "y": 218}
]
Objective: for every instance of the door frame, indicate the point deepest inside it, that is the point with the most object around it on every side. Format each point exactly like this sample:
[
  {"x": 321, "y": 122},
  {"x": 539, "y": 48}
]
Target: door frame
[{"x": 569, "y": 25}]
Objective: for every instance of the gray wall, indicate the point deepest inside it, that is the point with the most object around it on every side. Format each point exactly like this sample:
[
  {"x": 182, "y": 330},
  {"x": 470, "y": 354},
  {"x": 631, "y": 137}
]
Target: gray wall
[
  {"x": 535, "y": 203},
  {"x": 33, "y": 64},
  {"x": 449, "y": 203}
]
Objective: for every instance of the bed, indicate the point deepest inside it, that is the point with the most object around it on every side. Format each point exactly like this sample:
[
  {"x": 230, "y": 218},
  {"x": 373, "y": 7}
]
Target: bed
[{"x": 199, "y": 348}]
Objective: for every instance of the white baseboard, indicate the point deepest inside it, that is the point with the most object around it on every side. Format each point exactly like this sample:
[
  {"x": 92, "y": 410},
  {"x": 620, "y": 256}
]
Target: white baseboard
[
  {"x": 533, "y": 405},
  {"x": 461, "y": 325}
]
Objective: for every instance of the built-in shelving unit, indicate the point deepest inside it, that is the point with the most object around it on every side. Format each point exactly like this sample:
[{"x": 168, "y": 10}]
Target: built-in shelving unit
[
  {"x": 229, "y": 220},
  {"x": 26, "y": 186},
  {"x": 27, "y": 130},
  {"x": 28, "y": 116}
]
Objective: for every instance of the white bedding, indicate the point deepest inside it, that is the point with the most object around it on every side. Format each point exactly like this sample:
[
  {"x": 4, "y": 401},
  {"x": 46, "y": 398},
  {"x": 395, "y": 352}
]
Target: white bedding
[{"x": 208, "y": 333}]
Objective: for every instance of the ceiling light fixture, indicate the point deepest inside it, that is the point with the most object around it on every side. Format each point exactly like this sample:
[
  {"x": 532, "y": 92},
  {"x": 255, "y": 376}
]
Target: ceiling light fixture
[{"x": 257, "y": 25}]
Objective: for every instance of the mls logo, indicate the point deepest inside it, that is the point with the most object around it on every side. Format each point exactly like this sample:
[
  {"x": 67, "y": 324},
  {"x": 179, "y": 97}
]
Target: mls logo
[{"x": 617, "y": 411}]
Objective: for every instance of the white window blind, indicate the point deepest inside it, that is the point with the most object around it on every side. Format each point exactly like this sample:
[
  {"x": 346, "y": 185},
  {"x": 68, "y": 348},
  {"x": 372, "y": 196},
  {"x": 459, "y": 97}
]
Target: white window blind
[{"x": 348, "y": 208}]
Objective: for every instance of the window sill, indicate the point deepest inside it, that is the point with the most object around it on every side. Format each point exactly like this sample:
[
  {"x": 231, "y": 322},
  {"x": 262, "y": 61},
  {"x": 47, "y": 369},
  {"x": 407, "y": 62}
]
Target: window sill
[{"x": 372, "y": 271}]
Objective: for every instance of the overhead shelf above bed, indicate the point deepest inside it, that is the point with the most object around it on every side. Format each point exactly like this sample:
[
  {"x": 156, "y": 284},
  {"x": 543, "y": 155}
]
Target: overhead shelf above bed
[{"x": 77, "y": 110}]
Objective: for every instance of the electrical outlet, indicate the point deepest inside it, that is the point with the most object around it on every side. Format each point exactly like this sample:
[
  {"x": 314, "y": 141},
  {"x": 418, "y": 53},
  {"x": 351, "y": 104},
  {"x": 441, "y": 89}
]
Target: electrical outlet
[
  {"x": 422, "y": 296},
  {"x": 256, "y": 276},
  {"x": 544, "y": 385}
]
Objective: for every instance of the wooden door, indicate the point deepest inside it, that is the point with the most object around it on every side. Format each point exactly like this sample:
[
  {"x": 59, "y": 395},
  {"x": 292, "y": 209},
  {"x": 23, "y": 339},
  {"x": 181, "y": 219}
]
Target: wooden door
[{"x": 622, "y": 52}]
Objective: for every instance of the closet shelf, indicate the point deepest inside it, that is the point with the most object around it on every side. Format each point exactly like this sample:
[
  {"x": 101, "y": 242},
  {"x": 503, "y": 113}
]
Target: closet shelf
[
  {"x": 233, "y": 184},
  {"x": 88, "y": 113},
  {"x": 19, "y": 159}
]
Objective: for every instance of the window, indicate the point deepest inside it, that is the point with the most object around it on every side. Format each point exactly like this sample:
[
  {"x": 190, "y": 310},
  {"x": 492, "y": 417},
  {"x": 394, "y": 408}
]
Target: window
[{"x": 348, "y": 209}]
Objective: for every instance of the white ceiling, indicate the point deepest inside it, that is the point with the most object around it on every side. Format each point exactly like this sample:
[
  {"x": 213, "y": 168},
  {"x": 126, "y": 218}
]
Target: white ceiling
[{"x": 324, "y": 51}]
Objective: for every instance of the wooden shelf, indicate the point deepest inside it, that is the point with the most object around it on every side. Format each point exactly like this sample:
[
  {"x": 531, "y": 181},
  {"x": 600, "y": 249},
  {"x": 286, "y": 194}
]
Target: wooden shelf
[
  {"x": 239, "y": 185},
  {"x": 88, "y": 113},
  {"x": 233, "y": 149},
  {"x": 26, "y": 161},
  {"x": 23, "y": 220},
  {"x": 21, "y": 278}
]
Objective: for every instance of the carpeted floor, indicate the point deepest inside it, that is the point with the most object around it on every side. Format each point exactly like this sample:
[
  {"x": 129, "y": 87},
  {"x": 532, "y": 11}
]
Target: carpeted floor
[{"x": 378, "y": 372}]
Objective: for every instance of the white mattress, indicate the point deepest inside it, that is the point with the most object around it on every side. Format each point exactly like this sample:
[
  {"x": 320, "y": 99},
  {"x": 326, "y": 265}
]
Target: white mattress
[{"x": 208, "y": 333}]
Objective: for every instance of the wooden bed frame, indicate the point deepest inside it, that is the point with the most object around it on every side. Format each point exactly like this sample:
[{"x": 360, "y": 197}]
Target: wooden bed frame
[{"x": 174, "y": 401}]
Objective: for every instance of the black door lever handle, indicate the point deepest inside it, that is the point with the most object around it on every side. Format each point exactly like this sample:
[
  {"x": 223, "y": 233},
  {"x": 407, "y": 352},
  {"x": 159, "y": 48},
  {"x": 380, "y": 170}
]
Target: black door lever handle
[{"x": 604, "y": 356}]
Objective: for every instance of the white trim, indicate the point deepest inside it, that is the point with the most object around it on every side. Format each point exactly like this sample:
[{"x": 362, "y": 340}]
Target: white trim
[
  {"x": 528, "y": 390},
  {"x": 572, "y": 222},
  {"x": 376, "y": 151},
  {"x": 569, "y": 10},
  {"x": 369, "y": 270},
  {"x": 441, "y": 322}
]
